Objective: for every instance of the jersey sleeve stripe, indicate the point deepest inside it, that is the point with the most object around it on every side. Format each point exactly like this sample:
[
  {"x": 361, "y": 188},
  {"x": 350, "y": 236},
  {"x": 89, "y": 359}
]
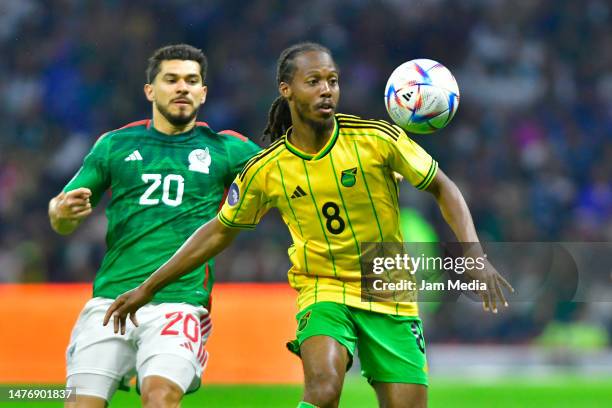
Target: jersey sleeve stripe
[
  {"x": 379, "y": 123},
  {"x": 383, "y": 130},
  {"x": 346, "y": 115},
  {"x": 260, "y": 156},
  {"x": 373, "y": 123},
  {"x": 233, "y": 133},
  {"x": 367, "y": 121},
  {"x": 430, "y": 176},
  {"x": 144, "y": 122},
  {"x": 230, "y": 224}
]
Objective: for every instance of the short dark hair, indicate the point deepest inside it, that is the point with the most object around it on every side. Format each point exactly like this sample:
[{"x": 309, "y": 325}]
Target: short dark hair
[{"x": 182, "y": 52}]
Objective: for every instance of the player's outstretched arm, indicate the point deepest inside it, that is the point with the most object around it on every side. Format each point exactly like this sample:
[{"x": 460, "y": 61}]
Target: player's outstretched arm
[
  {"x": 457, "y": 214},
  {"x": 205, "y": 243},
  {"x": 68, "y": 210}
]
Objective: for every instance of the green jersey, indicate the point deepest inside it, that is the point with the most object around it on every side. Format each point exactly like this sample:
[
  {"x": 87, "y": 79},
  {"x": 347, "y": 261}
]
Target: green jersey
[{"x": 163, "y": 187}]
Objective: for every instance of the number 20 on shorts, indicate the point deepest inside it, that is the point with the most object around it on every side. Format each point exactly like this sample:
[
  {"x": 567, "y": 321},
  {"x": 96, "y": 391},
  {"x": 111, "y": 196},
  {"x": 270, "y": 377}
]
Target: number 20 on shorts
[{"x": 190, "y": 326}]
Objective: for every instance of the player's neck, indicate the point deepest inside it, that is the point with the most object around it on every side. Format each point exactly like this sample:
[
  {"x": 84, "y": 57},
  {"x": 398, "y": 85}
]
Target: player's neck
[
  {"x": 311, "y": 137},
  {"x": 162, "y": 125}
]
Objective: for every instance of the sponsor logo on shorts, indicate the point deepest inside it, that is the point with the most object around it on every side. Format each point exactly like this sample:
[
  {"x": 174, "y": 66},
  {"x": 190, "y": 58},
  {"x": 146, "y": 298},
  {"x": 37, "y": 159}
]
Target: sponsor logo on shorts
[{"x": 304, "y": 321}]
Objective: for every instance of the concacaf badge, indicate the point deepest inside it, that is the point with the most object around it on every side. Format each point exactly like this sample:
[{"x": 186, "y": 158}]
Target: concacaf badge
[
  {"x": 233, "y": 194},
  {"x": 199, "y": 160}
]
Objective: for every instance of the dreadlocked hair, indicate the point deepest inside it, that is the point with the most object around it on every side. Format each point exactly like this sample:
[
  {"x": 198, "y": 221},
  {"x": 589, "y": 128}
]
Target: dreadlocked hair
[
  {"x": 279, "y": 116},
  {"x": 279, "y": 120}
]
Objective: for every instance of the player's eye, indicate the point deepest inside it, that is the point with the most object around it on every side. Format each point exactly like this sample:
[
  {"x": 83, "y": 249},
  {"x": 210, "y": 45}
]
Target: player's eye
[
  {"x": 333, "y": 81},
  {"x": 312, "y": 82}
]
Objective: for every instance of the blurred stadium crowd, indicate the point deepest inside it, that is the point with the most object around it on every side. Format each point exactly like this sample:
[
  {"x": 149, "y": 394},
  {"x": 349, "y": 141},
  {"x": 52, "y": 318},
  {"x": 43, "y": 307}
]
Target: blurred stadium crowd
[{"x": 529, "y": 148}]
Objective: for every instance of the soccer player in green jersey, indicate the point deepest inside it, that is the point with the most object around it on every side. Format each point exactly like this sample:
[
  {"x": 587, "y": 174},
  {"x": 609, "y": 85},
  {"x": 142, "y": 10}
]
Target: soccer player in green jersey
[
  {"x": 332, "y": 177},
  {"x": 167, "y": 175}
]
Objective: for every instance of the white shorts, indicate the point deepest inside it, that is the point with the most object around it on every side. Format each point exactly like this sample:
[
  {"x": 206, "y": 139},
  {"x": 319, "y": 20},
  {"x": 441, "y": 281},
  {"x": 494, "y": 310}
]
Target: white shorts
[{"x": 175, "y": 332}]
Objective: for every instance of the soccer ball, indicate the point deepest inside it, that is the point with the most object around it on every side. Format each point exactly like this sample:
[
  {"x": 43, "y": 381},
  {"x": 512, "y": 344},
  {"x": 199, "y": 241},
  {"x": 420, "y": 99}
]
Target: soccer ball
[{"x": 421, "y": 96}]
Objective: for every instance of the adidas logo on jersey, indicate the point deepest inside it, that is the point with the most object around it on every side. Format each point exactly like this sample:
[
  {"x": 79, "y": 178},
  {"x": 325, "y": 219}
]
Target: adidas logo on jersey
[
  {"x": 298, "y": 192},
  {"x": 135, "y": 155}
]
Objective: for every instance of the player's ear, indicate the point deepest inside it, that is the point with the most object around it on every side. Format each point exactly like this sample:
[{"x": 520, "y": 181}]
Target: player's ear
[
  {"x": 204, "y": 92},
  {"x": 149, "y": 92},
  {"x": 285, "y": 90}
]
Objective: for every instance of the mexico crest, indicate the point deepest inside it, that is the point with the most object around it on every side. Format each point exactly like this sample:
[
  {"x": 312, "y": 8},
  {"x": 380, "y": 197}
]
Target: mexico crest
[{"x": 199, "y": 160}]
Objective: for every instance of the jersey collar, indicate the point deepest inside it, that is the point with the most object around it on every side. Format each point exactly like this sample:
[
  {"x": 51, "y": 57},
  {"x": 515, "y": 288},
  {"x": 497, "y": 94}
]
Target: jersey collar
[
  {"x": 178, "y": 137},
  {"x": 308, "y": 156}
]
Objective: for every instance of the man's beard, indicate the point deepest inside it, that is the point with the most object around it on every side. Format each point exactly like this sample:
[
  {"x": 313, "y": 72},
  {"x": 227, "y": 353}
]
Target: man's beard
[
  {"x": 177, "y": 120},
  {"x": 319, "y": 126}
]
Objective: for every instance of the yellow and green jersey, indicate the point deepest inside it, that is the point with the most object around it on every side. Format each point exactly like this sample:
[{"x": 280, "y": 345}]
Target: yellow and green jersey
[{"x": 332, "y": 202}]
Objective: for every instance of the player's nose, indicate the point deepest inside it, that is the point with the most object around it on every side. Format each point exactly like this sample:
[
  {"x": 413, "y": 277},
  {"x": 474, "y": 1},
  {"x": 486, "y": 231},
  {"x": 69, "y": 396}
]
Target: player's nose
[
  {"x": 325, "y": 89},
  {"x": 181, "y": 86}
]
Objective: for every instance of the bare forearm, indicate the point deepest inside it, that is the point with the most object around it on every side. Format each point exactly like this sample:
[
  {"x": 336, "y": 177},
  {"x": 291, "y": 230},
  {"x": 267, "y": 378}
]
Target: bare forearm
[
  {"x": 453, "y": 207},
  {"x": 205, "y": 243},
  {"x": 457, "y": 214}
]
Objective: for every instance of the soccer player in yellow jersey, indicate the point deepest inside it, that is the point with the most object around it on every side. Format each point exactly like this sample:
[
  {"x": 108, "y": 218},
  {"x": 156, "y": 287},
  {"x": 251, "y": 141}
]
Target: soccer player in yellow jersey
[{"x": 332, "y": 178}]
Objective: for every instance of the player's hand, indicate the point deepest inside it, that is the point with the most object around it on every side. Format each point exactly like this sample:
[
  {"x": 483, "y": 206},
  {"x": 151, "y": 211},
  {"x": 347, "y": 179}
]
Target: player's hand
[
  {"x": 73, "y": 205},
  {"x": 124, "y": 305},
  {"x": 494, "y": 294}
]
